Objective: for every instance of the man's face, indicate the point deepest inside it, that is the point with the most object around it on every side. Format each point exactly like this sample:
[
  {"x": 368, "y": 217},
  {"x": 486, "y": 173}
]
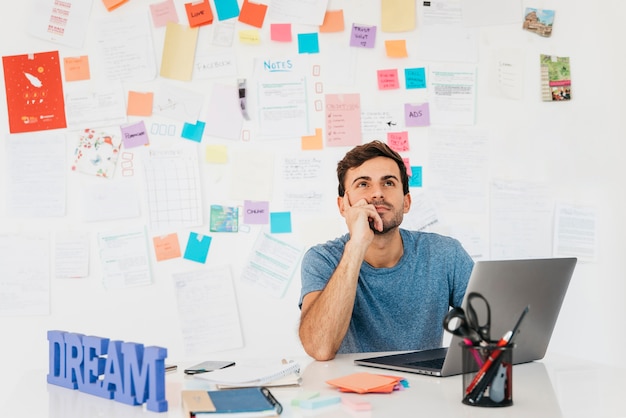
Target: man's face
[{"x": 378, "y": 182}]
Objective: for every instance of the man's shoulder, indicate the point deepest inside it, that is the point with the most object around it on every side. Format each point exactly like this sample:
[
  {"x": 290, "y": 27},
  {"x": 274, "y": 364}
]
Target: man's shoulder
[
  {"x": 428, "y": 237},
  {"x": 330, "y": 246}
]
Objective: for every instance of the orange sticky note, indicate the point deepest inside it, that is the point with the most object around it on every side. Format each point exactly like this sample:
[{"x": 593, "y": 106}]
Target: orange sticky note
[
  {"x": 396, "y": 48},
  {"x": 252, "y": 13},
  {"x": 333, "y": 21},
  {"x": 199, "y": 14},
  {"x": 139, "y": 104},
  {"x": 314, "y": 142},
  {"x": 76, "y": 68},
  {"x": 113, "y": 4},
  {"x": 166, "y": 247},
  {"x": 365, "y": 383}
]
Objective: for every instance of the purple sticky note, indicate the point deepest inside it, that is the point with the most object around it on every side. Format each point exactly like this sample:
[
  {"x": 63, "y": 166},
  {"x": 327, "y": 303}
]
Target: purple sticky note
[
  {"x": 256, "y": 213},
  {"x": 416, "y": 115},
  {"x": 135, "y": 135},
  {"x": 363, "y": 36}
]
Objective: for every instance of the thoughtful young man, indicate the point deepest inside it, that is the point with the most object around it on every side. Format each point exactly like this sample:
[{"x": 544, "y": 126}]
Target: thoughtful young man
[{"x": 378, "y": 287}]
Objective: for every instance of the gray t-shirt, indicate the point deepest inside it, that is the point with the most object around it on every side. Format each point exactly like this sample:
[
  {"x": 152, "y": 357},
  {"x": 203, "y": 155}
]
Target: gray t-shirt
[{"x": 402, "y": 307}]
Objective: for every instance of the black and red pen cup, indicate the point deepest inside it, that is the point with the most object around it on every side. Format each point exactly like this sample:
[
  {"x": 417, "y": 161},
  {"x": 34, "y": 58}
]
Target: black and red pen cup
[{"x": 487, "y": 375}]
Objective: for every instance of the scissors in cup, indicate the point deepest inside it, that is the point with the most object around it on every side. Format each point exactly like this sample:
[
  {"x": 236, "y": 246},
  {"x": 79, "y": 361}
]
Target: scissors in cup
[{"x": 466, "y": 323}]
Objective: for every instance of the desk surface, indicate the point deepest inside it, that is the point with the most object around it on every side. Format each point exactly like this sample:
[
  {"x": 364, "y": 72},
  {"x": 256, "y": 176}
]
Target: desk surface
[{"x": 554, "y": 387}]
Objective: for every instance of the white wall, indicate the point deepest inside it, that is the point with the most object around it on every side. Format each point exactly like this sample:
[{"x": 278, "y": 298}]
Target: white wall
[{"x": 576, "y": 148}]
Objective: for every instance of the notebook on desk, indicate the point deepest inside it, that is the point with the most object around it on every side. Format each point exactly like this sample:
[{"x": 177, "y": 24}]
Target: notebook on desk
[{"x": 509, "y": 286}]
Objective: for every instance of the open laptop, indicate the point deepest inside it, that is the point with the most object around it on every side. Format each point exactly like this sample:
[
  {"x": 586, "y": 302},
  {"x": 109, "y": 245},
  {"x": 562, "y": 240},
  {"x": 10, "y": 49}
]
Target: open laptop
[{"x": 509, "y": 286}]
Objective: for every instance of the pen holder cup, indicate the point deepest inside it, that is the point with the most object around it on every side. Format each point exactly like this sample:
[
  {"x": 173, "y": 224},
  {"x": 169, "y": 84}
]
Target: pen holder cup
[{"x": 487, "y": 375}]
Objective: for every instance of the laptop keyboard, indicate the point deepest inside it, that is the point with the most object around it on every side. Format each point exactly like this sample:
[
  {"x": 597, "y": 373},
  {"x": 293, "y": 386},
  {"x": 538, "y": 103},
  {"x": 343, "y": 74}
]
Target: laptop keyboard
[{"x": 435, "y": 363}]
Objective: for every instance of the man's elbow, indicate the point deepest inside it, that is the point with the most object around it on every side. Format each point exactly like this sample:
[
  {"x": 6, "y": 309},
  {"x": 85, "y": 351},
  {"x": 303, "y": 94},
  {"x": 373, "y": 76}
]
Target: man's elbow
[
  {"x": 320, "y": 353},
  {"x": 316, "y": 349}
]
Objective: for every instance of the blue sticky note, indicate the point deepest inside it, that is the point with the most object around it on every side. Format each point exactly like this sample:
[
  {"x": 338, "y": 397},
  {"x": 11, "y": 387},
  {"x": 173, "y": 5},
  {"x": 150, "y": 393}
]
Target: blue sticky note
[
  {"x": 280, "y": 222},
  {"x": 416, "y": 176},
  {"x": 197, "y": 247},
  {"x": 226, "y": 9},
  {"x": 415, "y": 78},
  {"x": 193, "y": 132},
  {"x": 308, "y": 43}
]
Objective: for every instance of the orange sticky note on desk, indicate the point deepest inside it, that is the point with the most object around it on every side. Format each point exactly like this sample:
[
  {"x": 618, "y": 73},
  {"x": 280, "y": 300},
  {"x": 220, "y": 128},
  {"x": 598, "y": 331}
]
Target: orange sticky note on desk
[{"x": 365, "y": 383}]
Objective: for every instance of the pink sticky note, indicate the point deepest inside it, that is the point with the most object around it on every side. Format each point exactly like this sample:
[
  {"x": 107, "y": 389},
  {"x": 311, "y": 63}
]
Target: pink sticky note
[
  {"x": 280, "y": 32},
  {"x": 388, "y": 79},
  {"x": 398, "y": 141}
]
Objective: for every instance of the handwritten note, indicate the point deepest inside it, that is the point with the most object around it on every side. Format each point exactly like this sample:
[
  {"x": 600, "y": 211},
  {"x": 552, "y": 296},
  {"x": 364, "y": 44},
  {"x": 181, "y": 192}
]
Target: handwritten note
[
  {"x": 363, "y": 36},
  {"x": 343, "y": 119}
]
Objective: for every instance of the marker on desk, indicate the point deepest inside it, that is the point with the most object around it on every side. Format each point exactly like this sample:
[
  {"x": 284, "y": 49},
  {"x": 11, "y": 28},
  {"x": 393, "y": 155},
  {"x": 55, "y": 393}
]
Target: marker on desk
[
  {"x": 492, "y": 357},
  {"x": 506, "y": 339},
  {"x": 477, "y": 357}
]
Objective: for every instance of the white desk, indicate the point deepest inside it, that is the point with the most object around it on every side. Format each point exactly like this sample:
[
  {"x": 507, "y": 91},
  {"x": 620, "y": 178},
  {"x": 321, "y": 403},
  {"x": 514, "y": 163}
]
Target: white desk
[{"x": 555, "y": 387}]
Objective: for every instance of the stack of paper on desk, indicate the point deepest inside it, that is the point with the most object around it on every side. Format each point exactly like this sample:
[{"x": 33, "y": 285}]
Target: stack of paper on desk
[
  {"x": 250, "y": 374},
  {"x": 367, "y": 383}
]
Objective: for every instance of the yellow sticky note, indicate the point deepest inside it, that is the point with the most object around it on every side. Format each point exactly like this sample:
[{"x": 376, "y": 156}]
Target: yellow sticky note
[
  {"x": 398, "y": 15},
  {"x": 179, "y": 51},
  {"x": 396, "y": 48},
  {"x": 249, "y": 37},
  {"x": 76, "y": 68},
  {"x": 314, "y": 142},
  {"x": 217, "y": 154}
]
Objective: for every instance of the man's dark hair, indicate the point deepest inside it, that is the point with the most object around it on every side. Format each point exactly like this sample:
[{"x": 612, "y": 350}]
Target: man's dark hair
[{"x": 362, "y": 153}]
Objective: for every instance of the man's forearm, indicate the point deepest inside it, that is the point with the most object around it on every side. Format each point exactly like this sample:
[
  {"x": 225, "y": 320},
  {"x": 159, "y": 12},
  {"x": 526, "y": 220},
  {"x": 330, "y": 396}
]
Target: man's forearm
[{"x": 325, "y": 320}]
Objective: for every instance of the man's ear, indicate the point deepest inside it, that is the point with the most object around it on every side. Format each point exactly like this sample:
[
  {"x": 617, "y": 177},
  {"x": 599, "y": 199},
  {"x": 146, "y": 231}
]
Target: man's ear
[
  {"x": 340, "y": 204},
  {"x": 407, "y": 202}
]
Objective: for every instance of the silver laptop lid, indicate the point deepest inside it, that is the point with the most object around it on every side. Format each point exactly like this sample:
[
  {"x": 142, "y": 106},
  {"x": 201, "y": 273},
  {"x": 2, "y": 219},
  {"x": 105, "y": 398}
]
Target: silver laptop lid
[{"x": 510, "y": 286}]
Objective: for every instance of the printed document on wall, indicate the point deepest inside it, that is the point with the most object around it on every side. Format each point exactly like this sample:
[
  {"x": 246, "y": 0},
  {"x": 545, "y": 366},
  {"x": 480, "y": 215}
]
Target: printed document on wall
[
  {"x": 282, "y": 103},
  {"x": 453, "y": 95},
  {"x": 35, "y": 175},
  {"x": 271, "y": 264},
  {"x": 63, "y": 22},
  {"x": 207, "y": 310},
  {"x": 125, "y": 48},
  {"x": 521, "y": 219},
  {"x": 173, "y": 189},
  {"x": 24, "y": 274},
  {"x": 576, "y": 232},
  {"x": 125, "y": 258}
]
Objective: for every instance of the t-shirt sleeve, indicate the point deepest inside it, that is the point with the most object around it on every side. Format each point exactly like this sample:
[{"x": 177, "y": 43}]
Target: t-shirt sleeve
[{"x": 315, "y": 272}]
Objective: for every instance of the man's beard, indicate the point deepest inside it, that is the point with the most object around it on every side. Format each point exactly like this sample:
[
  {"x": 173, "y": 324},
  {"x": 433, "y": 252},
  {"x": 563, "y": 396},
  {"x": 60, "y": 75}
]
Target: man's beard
[{"x": 388, "y": 225}]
